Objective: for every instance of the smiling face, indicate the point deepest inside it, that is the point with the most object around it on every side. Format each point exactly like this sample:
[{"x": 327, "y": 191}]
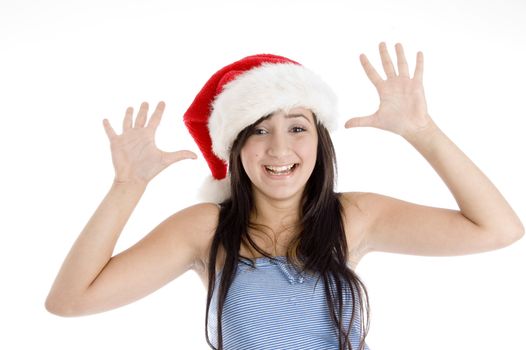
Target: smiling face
[{"x": 280, "y": 154}]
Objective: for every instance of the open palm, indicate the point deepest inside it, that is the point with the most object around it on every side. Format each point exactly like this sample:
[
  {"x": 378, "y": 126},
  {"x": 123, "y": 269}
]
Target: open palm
[
  {"x": 403, "y": 108},
  {"x": 135, "y": 156}
]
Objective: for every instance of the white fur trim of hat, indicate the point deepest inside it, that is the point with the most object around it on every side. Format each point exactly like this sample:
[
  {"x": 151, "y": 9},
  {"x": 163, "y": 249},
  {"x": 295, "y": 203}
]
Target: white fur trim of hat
[{"x": 264, "y": 90}]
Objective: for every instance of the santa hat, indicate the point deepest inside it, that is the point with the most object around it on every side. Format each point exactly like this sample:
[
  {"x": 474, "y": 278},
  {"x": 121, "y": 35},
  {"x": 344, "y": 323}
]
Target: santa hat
[{"x": 241, "y": 93}]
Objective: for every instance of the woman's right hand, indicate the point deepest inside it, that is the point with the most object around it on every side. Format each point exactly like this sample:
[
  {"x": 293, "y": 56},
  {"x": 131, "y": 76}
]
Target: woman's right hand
[{"x": 135, "y": 156}]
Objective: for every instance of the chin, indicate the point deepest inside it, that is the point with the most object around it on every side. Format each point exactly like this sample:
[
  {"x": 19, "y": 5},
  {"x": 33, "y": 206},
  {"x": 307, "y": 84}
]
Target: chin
[{"x": 279, "y": 195}]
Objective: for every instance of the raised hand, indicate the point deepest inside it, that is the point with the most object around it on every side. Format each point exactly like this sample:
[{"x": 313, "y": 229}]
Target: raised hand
[
  {"x": 135, "y": 156},
  {"x": 403, "y": 108}
]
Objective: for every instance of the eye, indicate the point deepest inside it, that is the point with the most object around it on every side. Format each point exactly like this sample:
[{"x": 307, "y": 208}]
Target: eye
[
  {"x": 259, "y": 131},
  {"x": 298, "y": 129}
]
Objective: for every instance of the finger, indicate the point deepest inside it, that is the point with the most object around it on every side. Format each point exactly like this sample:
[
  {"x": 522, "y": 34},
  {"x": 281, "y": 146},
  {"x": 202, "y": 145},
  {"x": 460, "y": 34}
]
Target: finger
[
  {"x": 172, "y": 157},
  {"x": 360, "y": 122},
  {"x": 419, "y": 69},
  {"x": 386, "y": 61},
  {"x": 109, "y": 130},
  {"x": 141, "y": 116},
  {"x": 372, "y": 74},
  {"x": 403, "y": 70},
  {"x": 156, "y": 116},
  {"x": 127, "y": 123}
]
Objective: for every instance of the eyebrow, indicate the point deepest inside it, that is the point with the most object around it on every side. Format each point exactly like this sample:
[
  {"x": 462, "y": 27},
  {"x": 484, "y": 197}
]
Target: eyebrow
[{"x": 289, "y": 116}]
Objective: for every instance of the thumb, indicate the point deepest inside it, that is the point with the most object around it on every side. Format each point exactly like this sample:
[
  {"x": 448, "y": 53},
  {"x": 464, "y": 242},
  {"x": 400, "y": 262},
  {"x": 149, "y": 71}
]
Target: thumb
[
  {"x": 360, "y": 122},
  {"x": 172, "y": 157}
]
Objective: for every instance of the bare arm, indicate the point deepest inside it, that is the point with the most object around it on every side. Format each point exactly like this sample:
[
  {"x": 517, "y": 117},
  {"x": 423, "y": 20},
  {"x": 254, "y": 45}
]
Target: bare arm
[
  {"x": 94, "y": 247},
  {"x": 136, "y": 160},
  {"x": 485, "y": 220}
]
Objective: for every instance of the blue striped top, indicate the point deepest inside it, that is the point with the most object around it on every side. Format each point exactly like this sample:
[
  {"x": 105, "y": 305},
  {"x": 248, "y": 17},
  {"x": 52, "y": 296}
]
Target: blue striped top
[{"x": 274, "y": 306}]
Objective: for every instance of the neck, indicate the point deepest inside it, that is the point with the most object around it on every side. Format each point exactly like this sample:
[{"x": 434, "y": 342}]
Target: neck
[{"x": 278, "y": 215}]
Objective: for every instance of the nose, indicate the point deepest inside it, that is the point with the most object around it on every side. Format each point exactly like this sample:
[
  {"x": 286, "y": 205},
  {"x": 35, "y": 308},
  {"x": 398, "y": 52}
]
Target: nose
[{"x": 279, "y": 145}]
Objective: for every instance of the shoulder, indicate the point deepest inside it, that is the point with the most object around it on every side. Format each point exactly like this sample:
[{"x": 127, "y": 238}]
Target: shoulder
[
  {"x": 200, "y": 217},
  {"x": 357, "y": 219},
  {"x": 199, "y": 222},
  {"x": 367, "y": 208},
  {"x": 354, "y": 205},
  {"x": 208, "y": 212}
]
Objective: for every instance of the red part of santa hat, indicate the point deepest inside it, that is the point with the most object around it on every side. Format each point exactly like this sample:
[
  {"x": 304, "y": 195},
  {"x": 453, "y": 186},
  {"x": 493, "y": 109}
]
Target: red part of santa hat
[{"x": 239, "y": 94}]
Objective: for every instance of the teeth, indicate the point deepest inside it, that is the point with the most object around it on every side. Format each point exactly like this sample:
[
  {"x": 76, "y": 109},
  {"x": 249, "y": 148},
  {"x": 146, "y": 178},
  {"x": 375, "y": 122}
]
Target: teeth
[{"x": 279, "y": 169}]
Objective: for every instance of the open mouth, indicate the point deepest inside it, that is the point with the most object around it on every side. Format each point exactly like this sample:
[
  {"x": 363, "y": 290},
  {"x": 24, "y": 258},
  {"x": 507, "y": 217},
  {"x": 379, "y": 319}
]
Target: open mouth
[{"x": 280, "y": 170}]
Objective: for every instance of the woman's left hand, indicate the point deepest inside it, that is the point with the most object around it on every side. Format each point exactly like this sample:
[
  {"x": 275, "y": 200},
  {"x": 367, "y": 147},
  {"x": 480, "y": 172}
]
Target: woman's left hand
[{"x": 403, "y": 108}]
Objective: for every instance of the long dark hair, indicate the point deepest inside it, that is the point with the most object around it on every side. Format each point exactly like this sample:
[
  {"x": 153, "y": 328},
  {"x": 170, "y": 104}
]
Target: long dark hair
[{"x": 325, "y": 254}]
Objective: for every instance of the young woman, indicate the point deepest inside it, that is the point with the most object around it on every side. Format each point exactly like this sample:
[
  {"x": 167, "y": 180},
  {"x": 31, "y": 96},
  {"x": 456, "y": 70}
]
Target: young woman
[{"x": 273, "y": 242}]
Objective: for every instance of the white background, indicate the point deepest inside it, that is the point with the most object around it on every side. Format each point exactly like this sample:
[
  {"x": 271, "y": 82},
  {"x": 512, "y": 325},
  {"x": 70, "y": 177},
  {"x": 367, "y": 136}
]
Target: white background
[{"x": 66, "y": 65}]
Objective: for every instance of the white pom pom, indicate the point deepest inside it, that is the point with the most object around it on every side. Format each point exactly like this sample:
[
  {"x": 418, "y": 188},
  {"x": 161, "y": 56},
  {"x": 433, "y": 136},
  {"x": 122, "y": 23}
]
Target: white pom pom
[{"x": 215, "y": 191}]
